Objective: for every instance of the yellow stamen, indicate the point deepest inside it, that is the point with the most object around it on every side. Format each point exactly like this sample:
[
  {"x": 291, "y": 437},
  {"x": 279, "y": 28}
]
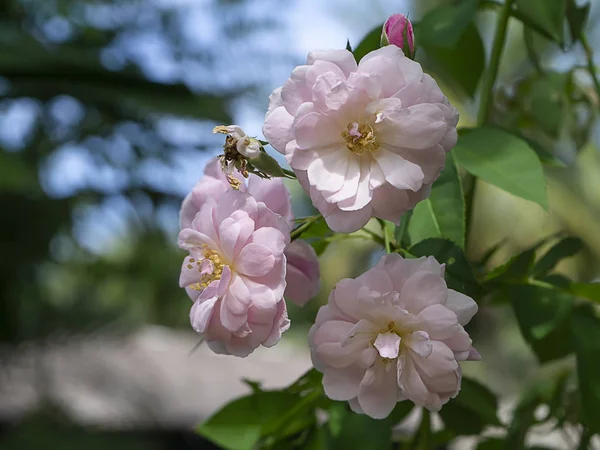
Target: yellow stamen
[{"x": 361, "y": 140}]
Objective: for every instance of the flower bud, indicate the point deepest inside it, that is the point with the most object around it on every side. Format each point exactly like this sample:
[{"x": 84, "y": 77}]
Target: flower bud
[
  {"x": 303, "y": 273},
  {"x": 398, "y": 31}
]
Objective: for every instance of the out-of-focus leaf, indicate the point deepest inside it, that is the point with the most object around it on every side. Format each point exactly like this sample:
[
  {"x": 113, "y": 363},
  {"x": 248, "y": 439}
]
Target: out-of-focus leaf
[
  {"x": 566, "y": 247},
  {"x": 515, "y": 269},
  {"x": 16, "y": 175},
  {"x": 240, "y": 424},
  {"x": 445, "y": 25},
  {"x": 586, "y": 340},
  {"x": 577, "y": 17},
  {"x": 549, "y": 15},
  {"x": 543, "y": 316},
  {"x": 472, "y": 410},
  {"x": 359, "y": 432},
  {"x": 369, "y": 43},
  {"x": 591, "y": 291},
  {"x": 459, "y": 273},
  {"x": 461, "y": 66},
  {"x": 443, "y": 213},
  {"x": 504, "y": 160}
]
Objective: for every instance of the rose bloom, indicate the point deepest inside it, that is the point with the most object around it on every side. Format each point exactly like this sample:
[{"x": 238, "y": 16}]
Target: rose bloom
[
  {"x": 394, "y": 333},
  {"x": 364, "y": 140},
  {"x": 236, "y": 272},
  {"x": 302, "y": 273}
]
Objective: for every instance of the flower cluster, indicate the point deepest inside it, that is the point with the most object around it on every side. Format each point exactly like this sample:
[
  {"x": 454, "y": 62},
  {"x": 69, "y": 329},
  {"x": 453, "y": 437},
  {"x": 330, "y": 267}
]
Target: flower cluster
[
  {"x": 364, "y": 140},
  {"x": 241, "y": 261}
]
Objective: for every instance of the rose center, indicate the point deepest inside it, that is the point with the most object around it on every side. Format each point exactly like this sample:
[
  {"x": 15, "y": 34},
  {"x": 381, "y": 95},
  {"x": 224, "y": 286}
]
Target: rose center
[
  {"x": 360, "y": 138},
  {"x": 210, "y": 266}
]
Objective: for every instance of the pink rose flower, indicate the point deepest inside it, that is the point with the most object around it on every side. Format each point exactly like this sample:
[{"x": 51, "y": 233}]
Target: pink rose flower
[
  {"x": 395, "y": 29},
  {"x": 365, "y": 140},
  {"x": 394, "y": 333},
  {"x": 303, "y": 273},
  {"x": 236, "y": 273}
]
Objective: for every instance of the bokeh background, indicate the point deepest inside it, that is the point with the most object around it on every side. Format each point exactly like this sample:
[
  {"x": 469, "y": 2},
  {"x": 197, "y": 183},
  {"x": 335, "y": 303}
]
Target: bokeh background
[{"x": 106, "y": 112}]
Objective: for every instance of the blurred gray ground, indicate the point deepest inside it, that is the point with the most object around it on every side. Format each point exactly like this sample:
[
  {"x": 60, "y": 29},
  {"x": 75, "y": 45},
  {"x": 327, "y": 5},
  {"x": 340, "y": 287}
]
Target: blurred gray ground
[
  {"x": 154, "y": 377},
  {"x": 145, "y": 378}
]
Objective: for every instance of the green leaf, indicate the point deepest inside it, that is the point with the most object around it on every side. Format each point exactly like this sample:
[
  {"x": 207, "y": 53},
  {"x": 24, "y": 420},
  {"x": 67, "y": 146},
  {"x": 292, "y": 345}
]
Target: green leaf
[
  {"x": 360, "y": 432},
  {"x": 459, "y": 274},
  {"x": 563, "y": 249},
  {"x": 443, "y": 213},
  {"x": 445, "y": 25},
  {"x": 267, "y": 164},
  {"x": 544, "y": 317},
  {"x": 576, "y": 18},
  {"x": 586, "y": 340},
  {"x": 472, "y": 410},
  {"x": 516, "y": 269},
  {"x": 591, "y": 291},
  {"x": 504, "y": 160},
  {"x": 369, "y": 43},
  {"x": 461, "y": 66},
  {"x": 240, "y": 424},
  {"x": 548, "y": 15}
]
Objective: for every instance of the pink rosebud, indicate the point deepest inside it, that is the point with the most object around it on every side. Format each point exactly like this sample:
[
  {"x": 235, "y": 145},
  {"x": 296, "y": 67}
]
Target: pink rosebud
[
  {"x": 303, "y": 273},
  {"x": 394, "y": 333},
  {"x": 235, "y": 272},
  {"x": 398, "y": 31}
]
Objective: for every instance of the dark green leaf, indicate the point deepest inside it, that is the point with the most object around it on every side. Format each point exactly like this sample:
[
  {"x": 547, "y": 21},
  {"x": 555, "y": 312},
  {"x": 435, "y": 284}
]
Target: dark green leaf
[
  {"x": 591, "y": 291},
  {"x": 267, "y": 164},
  {"x": 444, "y": 26},
  {"x": 544, "y": 317},
  {"x": 586, "y": 340},
  {"x": 240, "y": 424},
  {"x": 472, "y": 410},
  {"x": 360, "y": 432},
  {"x": 576, "y": 18},
  {"x": 461, "y": 66},
  {"x": 549, "y": 15},
  {"x": 443, "y": 213},
  {"x": 505, "y": 160},
  {"x": 369, "y": 43},
  {"x": 515, "y": 269},
  {"x": 459, "y": 274},
  {"x": 563, "y": 249}
]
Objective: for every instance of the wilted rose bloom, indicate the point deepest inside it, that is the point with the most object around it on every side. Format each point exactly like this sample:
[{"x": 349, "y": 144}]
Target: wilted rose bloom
[
  {"x": 394, "y": 333},
  {"x": 303, "y": 274},
  {"x": 396, "y": 29},
  {"x": 366, "y": 140},
  {"x": 247, "y": 146},
  {"x": 236, "y": 267}
]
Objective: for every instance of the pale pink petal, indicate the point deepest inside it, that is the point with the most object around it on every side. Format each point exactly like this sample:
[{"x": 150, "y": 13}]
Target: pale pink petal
[
  {"x": 399, "y": 172},
  {"x": 378, "y": 391},
  {"x": 388, "y": 345},
  {"x": 341, "y": 58},
  {"x": 201, "y": 313},
  {"x": 273, "y": 194},
  {"x": 423, "y": 289},
  {"x": 440, "y": 322},
  {"x": 463, "y": 306},
  {"x": 342, "y": 384},
  {"x": 278, "y": 128},
  {"x": 254, "y": 260},
  {"x": 303, "y": 273}
]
